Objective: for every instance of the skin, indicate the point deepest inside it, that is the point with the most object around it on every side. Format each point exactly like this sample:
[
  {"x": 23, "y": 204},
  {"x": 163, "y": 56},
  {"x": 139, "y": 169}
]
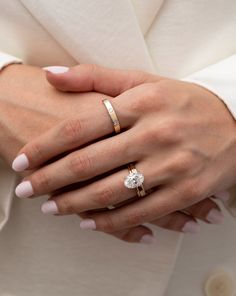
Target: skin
[
  {"x": 26, "y": 95},
  {"x": 29, "y": 106},
  {"x": 177, "y": 133}
]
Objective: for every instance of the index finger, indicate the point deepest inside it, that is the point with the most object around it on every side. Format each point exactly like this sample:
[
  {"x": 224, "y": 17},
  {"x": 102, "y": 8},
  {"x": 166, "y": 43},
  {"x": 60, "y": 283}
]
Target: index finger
[{"x": 69, "y": 134}]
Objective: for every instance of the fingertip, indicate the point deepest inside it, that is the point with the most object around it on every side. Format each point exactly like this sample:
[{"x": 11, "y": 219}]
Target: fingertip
[
  {"x": 223, "y": 195},
  {"x": 20, "y": 163},
  {"x": 58, "y": 77},
  {"x": 140, "y": 234},
  {"x": 148, "y": 239},
  {"x": 56, "y": 69}
]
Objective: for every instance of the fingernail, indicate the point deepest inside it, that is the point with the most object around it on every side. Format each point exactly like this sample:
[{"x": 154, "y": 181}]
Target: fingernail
[
  {"x": 56, "y": 69},
  {"x": 49, "y": 207},
  {"x": 88, "y": 224},
  {"x": 223, "y": 195},
  {"x": 147, "y": 239},
  {"x": 20, "y": 163},
  {"x": 24, "y": 189},
  {"x": 191, "y": 227},
  {"x": 215, "y": 217}
]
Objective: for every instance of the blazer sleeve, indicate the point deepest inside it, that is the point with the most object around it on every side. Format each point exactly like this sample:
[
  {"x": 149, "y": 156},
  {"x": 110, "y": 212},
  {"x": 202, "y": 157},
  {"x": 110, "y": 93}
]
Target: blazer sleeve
[
  {"x": 6, "y": 59},
  {"x": 220, "y": 79}
]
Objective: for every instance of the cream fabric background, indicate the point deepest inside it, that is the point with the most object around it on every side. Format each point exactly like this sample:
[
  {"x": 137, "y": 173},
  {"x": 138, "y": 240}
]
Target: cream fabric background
[{"x": 35, "y": 250}]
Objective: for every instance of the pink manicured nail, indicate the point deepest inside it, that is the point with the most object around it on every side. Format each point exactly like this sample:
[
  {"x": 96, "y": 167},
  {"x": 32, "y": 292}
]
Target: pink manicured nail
[
  {"x": 24, "y": 189},
  {"x": 147, "y": 239},
  {"x": 56, "y": 69},
  {"x": 49, "y": 207},
  {"x": 223, "y": 195},
  {"x": 88, "y": 224},
  {"x": 215, "y": 217},
  {"x": 20, "y": 163},
  {"x": 191, "y": 227}
]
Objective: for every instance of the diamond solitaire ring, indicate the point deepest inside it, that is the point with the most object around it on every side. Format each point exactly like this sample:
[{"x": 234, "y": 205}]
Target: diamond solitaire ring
[{"x": 135, "y": 179}]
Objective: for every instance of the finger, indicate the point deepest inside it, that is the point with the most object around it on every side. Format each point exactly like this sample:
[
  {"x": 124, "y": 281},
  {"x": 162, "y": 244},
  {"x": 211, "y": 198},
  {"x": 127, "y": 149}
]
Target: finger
[
  {"x": 69, "y": 134},
  {"x": 178, "y": 221},
  {"x": 74, "y": 133},
  {"x": 138, "y": 234},
  {"x": 158, "y": 204},
  {"x": 84, "y": 78},
  {"x": 223, "y": 195},
  {"x": 206, "y": 210},
  {"x": 84, "y": 164},
  {"x": 108, "y": 191}
]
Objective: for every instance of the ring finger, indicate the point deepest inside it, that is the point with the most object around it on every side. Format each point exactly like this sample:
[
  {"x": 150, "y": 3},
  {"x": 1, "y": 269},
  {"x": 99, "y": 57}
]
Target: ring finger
[{"x": 81, "y": 165}]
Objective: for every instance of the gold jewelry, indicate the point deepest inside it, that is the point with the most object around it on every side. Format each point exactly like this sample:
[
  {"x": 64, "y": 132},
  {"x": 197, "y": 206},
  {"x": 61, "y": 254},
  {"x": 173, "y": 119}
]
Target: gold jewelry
[
  {"x": 112, "y": 115},
  {"x": 135, "y": 179}
]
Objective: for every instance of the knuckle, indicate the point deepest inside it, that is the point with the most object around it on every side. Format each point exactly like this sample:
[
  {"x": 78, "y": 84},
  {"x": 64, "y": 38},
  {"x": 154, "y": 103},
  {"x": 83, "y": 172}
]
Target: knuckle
[
  {"x": 108, "y": 225},
  {"x": 144, "y": 102},
  {"x": 136, "y": 217},
  {"x": 72, "y": 130},
  {"x": 105, "y": 196},
  {"x": 163, "y": 88},
  {"x": 92, "y": 68},
  {"x": 35, "y": 152},
  {"x": 41, "y": 182},
  {"x": 193, "y": 191},
  {"x": 173, "y": 222},
  {"x": 183, "y": 163},
  {"x": 81, "y": 164},
  {"x": 166, "y": 133},
  {"x": 66, "y": 206}
]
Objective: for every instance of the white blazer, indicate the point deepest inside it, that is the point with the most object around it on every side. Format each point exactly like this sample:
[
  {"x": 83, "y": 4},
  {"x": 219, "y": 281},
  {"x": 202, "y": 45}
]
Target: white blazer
[{"x": 191, "y": 40}]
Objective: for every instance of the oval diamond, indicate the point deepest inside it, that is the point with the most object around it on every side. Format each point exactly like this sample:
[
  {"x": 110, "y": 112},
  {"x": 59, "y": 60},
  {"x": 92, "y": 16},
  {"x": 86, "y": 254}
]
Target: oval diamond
[{"x": 134, "y": 180}]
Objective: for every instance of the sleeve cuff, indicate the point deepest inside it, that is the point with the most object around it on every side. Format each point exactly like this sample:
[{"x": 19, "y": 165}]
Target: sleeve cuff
[
  {"x": 220, "y": 79},
  {"x": 6, "y": 59}
]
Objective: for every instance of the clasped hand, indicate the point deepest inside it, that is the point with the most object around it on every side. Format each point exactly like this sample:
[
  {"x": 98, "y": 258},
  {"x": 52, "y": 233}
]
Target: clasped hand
[{"x": 179, "y": 135}]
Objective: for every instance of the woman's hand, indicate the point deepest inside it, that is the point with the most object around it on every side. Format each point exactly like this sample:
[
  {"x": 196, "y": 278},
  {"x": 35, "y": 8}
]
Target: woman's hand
[
  {"x": 181, "y": 137},
  {"x": 29, "y": 106}
]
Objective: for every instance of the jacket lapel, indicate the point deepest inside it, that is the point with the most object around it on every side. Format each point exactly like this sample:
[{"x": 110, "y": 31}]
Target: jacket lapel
[{"x": 106, "y": 33}]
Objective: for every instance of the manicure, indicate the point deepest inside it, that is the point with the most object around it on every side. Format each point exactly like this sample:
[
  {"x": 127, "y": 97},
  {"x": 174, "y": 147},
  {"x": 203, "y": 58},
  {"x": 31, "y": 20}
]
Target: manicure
[
  {"x": 223, "y": 195},
  {"x": 49, "y": 207},
  {"x": 56, "y": 69},
  {"x": 215, "y": 216},
  {"x": 24, "y": 189},
  {"x": 147, "y": 239},
  {"x": 191, "y": 227},
  {"x": 20, "y": 163},
  {"x": 88, "y": 224}
]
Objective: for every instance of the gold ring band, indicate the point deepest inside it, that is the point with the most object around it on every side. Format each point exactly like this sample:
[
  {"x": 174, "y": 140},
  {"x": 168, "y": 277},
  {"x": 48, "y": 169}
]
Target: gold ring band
[
  {"x": 140, "y": 189},
  {"x": 133, "y": 181},
  {"x": 112, "y": 115}
]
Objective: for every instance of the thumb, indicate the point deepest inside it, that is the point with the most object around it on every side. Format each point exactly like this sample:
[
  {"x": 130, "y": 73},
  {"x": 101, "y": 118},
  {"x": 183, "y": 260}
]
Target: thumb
[{"x": 84, "y": 78}]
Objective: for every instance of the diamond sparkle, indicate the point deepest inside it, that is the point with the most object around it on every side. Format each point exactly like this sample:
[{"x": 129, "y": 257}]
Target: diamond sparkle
[{"x": 134, "y": 180}]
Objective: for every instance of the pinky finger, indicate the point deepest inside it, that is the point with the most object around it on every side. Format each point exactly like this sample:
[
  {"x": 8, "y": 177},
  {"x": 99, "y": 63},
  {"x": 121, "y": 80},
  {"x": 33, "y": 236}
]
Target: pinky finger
[
  {"x": 179, "y": 222},
  {"x": 138, "y": 234},
  {"x": 176, "y": 221}
]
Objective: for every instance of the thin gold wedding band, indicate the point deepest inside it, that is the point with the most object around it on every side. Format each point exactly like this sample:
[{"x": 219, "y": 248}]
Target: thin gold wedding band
[{"x": 113, "y": 116}]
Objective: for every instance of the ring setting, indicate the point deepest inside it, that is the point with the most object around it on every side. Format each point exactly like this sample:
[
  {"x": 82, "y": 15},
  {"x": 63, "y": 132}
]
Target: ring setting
[{"x": 134, "y": 180}]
